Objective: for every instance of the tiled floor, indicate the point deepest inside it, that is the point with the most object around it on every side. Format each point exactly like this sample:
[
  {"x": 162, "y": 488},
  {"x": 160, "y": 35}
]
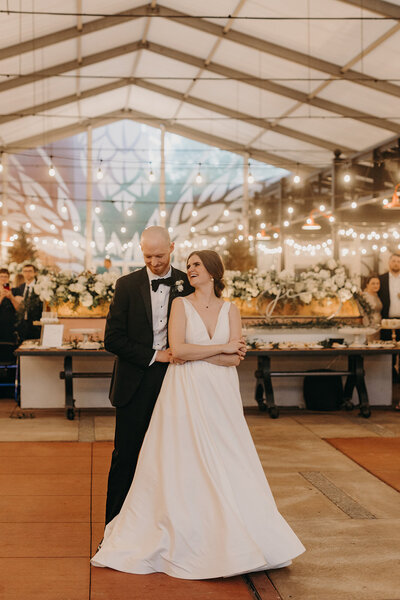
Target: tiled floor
[{"x": 52, "y": 498}]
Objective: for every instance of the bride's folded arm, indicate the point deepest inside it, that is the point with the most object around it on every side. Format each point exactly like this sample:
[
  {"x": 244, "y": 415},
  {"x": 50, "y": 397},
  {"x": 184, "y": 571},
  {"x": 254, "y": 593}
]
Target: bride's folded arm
[
  {"x": 176, "y": 336},
  {"x": 216, "y": 353}
]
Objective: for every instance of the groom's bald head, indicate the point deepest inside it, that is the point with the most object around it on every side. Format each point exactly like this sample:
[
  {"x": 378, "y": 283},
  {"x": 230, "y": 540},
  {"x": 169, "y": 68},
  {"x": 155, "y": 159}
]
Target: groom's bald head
[{"x": 157, "y": 249}]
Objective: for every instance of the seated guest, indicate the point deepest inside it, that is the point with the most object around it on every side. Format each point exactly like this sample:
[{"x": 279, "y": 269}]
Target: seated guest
[
  {"x": 31, "y": 305},
  {"x": 370, "y": 293},
  {"x": 9, "y": 304}
]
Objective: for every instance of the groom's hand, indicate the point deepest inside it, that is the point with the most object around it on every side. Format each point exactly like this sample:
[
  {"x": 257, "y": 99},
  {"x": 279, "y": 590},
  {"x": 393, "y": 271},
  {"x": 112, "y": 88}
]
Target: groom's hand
[{"x": 164, "y": 356}]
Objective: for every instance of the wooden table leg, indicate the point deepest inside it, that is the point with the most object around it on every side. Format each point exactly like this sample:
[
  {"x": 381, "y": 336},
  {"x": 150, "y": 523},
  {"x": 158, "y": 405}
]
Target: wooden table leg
[
  {"x": 365, "y": 410},
  {"x": 69, "y": 393},
  {"x": 264, "y": 364}
]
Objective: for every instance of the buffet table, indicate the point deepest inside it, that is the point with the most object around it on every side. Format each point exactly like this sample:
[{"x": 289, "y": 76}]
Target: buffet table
[{"x": 354, "y": 373}]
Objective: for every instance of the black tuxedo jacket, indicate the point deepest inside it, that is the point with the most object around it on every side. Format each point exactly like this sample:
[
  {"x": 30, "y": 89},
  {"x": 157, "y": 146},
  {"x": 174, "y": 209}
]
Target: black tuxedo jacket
[
  {"x": 384, "y": 294},
  {"x": 36, "y": 307},
  {"x": 129, "y": 331}
]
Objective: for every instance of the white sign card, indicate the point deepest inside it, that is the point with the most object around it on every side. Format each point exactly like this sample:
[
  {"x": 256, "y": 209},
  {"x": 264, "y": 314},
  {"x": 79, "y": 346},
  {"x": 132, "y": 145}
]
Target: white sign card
[{"x": 52, "y": 335}]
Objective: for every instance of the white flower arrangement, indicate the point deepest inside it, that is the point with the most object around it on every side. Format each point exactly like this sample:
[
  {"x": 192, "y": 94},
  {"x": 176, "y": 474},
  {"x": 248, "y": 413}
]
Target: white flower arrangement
[
  {"x": 86, "y": 289},
  {"x": 325, "y": 280}
]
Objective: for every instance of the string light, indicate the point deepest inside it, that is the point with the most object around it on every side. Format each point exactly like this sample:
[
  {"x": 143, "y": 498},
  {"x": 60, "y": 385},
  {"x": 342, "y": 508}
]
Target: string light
[
  {"x": 199, "y": 178},
  {"x": 52, "y": 170},
  {"x": 250, "y": 177},
  {"x": 100, "y": 173}
]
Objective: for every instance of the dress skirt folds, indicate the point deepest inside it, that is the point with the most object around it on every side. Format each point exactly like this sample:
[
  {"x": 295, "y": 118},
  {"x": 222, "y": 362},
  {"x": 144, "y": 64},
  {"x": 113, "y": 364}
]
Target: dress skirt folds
[{"x": 199, "y": 506}]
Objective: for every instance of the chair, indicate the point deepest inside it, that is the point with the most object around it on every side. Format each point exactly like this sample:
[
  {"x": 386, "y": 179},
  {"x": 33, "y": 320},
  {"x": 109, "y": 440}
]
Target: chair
[{"x": 9, "y": 367}]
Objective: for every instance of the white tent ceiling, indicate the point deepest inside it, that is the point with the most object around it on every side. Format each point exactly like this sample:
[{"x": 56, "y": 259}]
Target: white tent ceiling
[{"x": 286, "y": 82}]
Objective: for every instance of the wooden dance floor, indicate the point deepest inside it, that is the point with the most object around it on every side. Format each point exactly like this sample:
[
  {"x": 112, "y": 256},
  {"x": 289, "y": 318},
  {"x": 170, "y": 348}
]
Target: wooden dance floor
[{"x": 52, "y": 501}]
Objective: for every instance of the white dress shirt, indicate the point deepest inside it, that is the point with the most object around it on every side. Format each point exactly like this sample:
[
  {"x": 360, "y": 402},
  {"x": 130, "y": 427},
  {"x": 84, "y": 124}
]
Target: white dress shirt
[
  {"x": 394, "y": 292},
  {"x": 159, "y": 310}
]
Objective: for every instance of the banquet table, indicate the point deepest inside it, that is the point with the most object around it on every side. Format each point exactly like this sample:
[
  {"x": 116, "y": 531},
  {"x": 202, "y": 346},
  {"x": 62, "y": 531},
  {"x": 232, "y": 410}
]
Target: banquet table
[
  {"x": 39, "y": 369},
  {"x": 355, "y": 373}
]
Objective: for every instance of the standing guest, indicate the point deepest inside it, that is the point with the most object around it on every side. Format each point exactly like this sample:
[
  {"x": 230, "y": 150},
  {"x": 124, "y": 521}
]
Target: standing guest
[
  {"x": 31, "y": 306},
  {"x": 389, "y": 293},
  {"x": 136, "y": 331},
  {"x": 18, "y": 280},
  {"x": 9, "y": 305},
  {"x": 370, "y": 293}
]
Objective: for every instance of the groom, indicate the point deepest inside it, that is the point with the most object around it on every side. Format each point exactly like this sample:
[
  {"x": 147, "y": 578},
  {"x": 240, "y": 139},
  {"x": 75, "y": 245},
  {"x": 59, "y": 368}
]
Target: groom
[{"x": 136, "y": 331}]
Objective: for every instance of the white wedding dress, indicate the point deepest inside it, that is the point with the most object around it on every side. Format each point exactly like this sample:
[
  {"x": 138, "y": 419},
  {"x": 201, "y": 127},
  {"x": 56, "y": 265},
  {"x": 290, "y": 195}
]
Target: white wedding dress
[{"x": 199, "y": 506}]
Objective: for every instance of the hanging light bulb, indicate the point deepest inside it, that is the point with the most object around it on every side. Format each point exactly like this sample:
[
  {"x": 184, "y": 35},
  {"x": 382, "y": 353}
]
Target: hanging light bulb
[
  {"x": 97, "y": 210},
  {"x": 290, "y": 210},
  {"x": 322, "y": 208},
  {"x": 331, "y": 219},
  {"x": 123, "y": 229},
  {"x": 258, "y": 212},
  {"x": 250, "y": 177},
  {"x": 52, "y": 170},
  {"x": 100, "y": 173},
  {"x": 226, "y": 212},
  {"x": 1, "y": 162},
  {"x": 129, "y": 212},
  {"x": 199, "y": 178},
  {"x": 354, "y": 205},
  {"x": 296, "y": 179},
  {"x": 347, "y": 177},
  {"x": 286, "y": 223},
  {"x": 152, "y": 177}
]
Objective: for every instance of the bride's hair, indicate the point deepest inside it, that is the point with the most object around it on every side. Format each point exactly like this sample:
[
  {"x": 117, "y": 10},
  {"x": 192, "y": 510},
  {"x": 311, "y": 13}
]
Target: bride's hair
[{"x": 214, "y": 265}]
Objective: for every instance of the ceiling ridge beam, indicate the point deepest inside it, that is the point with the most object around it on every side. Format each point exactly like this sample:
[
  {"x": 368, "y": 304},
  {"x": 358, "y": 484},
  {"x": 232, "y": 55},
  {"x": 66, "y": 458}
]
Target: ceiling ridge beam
[
  {"x": 216, "y": 30},
  {"x": 283, "y": 52},
  {"x": 387, "y": 9},
  {"x": 234, "y": 114},
  {"x": 275, "y": 88},
  {"x": 212, "y": 140},
  {"x": 70, "y": 33}
]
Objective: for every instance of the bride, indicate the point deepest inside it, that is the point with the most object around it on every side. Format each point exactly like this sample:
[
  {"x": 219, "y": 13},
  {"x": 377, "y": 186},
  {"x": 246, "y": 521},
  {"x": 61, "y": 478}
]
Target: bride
[{"x": 199, "y": 506}]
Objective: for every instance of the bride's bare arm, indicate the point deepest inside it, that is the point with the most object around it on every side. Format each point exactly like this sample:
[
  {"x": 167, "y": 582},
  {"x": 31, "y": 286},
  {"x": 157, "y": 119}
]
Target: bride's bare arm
[
  {"x": 235, "y": 325},
  {"x": 181, "y": 350}
]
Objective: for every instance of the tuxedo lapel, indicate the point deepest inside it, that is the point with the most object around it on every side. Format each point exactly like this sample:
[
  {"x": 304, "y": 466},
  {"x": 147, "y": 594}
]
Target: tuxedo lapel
[{"x": 145, "y": 291}]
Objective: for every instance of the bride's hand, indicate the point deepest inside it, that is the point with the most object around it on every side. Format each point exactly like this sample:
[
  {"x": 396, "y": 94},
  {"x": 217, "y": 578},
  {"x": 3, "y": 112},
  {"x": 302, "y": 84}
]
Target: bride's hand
[{"x": 233, "y": 347}]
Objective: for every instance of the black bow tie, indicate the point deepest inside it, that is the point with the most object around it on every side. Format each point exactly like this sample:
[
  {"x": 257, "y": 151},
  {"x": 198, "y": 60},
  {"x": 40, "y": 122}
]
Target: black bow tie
[{"x": 155, "y": 283}]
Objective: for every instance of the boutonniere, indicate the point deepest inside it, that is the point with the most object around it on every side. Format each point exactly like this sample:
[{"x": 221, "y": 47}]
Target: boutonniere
[{"x": 178, "y": 286}]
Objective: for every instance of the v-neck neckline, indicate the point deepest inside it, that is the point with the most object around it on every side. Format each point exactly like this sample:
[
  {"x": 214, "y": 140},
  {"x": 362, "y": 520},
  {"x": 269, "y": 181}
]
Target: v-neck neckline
[{"x": 201, "y": 319}]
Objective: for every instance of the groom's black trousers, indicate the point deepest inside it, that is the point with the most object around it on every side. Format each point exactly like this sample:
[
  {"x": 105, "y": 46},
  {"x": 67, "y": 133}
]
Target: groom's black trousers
[{"x": 132, "y": 421}]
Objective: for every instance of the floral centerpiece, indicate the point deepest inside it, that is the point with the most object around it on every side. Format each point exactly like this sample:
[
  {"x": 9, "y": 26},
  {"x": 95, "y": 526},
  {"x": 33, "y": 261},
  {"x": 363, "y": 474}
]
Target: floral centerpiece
[
  {"x": 323, "y": 290},
  {"x": 72, "y": 294}
]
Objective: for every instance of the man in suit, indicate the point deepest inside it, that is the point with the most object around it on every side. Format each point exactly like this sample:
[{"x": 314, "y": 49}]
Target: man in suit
[
  {"x": 136, "y": 331},
  {"x": 389, "y": 293},
  {"x": 31, "y": 305}
]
